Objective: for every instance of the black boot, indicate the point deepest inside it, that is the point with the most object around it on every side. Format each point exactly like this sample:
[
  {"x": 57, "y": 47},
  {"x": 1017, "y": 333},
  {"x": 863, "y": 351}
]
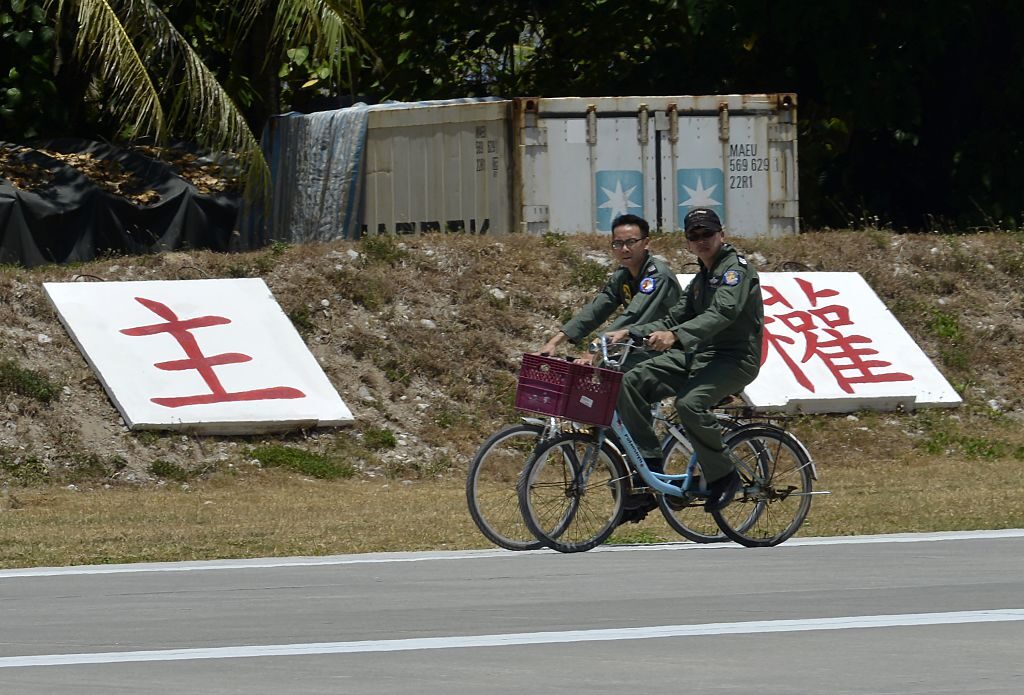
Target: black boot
[{"x": 721, "y": 491}]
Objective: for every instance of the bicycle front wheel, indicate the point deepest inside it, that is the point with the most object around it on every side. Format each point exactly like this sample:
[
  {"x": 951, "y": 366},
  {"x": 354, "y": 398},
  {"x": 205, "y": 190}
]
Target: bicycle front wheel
[
  {"x": 571, "y": 492},
  {"x": 776, "y": 492},
  {"x": 491, "y": 486}
]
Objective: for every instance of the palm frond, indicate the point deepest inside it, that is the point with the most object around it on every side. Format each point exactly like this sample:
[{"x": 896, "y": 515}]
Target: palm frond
[
  {"x": 199, "y": 105},
  {"x": 103, "y": 46},
  {"x": 329, "y": 27}
]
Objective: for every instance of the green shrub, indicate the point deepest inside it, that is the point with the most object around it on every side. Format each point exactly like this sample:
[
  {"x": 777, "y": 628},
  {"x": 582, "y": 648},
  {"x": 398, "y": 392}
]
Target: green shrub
[
  {"x": 382, "y": 248},
  {"x": 168, "y": 471},
  {"x": 23, "y": 471},
  {"x": 589, "y": 275},
  {"x": 26, "y": 382},
  {"x": 379, "y": 438},
  {"x": 302, "y": 461},
  {"x": 302, "y": 319}
]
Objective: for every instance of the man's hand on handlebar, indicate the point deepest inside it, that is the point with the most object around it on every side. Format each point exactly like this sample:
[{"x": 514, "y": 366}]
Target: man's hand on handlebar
[
  {"x": 661, "y": 340},
  {"x": 619, "y": 336}
]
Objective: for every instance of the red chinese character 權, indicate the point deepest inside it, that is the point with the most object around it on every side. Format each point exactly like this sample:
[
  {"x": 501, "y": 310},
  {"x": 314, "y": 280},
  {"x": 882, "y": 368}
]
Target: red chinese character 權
[{"x": 845, "y": 356}]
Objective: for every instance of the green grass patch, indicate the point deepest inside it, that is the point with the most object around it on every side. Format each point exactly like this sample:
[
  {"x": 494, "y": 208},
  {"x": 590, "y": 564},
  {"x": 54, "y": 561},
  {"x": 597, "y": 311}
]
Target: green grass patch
[
  {"x": 301, "y": 461},
  {"x": 377, "y": 438},
  {"x": 588, "y": 274},
  {"x": 946, "y": 326},
  {"x": 302, "y": 319},
  {"x": 23, "y": 470},
  {"x": 27, "y": 382},
  {"x": 382, "y": 248},
  {"x": 168, "y": 471}
]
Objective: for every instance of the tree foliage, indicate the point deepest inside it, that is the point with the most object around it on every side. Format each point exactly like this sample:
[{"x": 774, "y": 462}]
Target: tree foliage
[
  {"x": 907, "y": 111},
  {"x": 28, "y": 92}
]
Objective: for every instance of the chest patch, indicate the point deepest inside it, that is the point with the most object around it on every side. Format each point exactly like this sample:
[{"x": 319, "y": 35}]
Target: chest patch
[
  {"x": 627, "y": 293},
  {"x": 715, "y": 280},
  {"x": 647, "y": 285},
  {"x": 732, "y": 278}
]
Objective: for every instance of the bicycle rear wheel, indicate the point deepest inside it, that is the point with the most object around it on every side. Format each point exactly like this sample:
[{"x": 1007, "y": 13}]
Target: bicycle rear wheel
[
  {"x": 571, "y": 492},
  {"x": 491, "y": 486},
  {"x": 776, "y": 493}
]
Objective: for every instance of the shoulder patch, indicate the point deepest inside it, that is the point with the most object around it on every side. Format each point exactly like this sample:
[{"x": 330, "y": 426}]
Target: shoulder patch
[
  {"x": 741, "y": 259},
  {"x": 732, "y": 277},
  {"x": 647, "y": 285},
  {"x": 651, "y": 269}
]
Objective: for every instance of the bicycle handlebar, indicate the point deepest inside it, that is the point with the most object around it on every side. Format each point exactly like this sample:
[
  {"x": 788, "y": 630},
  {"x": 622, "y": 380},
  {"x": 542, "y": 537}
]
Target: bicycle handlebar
[{"x": 601, "y": 346}]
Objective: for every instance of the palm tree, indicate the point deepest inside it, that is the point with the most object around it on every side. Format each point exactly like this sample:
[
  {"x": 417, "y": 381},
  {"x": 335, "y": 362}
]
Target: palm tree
[{"x": 153, "y": 81}]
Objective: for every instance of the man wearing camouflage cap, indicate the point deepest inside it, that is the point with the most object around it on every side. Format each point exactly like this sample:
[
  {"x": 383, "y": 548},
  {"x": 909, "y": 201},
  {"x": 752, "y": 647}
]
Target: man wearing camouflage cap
[{"x": 710, "y": 345}]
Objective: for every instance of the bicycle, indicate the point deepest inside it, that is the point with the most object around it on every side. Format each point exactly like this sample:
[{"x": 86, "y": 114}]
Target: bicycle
[
  {"x": 572, "y": 490},
  {"x": 491, "y": 481}
]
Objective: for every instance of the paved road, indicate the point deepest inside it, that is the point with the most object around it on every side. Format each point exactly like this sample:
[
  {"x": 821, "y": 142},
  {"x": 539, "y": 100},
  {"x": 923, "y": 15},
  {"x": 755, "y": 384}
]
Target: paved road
[{"x": 941, "y": 613}]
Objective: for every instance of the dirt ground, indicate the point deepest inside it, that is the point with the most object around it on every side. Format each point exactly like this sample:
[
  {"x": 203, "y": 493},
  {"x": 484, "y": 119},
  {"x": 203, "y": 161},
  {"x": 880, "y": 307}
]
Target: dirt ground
[{"x": 422, "y": 337}]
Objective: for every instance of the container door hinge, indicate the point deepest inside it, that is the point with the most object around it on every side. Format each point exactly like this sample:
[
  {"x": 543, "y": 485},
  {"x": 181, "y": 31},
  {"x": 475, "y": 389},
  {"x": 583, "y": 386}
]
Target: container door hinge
[{"x": 723, "y": 122}]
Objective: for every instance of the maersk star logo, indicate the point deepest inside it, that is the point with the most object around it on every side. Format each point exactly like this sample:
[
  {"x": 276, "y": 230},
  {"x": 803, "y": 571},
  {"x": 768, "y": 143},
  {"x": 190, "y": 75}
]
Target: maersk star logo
[
  {"x": 618, "y": 193},
  {"x": 700, "y": 188}
]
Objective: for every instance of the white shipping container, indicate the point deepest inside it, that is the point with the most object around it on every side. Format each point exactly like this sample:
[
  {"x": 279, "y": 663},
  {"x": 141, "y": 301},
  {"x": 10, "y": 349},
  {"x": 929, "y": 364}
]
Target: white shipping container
[
  {"x": 583, "y": 161},
  {"x": 438, "y": 167},
  {"x": 573, "y": 164}
]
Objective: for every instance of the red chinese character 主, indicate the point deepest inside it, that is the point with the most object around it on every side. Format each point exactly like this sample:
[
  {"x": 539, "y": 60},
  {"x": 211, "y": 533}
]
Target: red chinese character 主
[
  {"x": 845, "y": 356},
  {"x": 180, "y": 329}
]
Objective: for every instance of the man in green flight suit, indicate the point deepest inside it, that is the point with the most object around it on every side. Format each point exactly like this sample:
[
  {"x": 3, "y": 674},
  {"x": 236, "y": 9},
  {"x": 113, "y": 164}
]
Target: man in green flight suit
[
  {"x": 643, "y": 285},
  {"x": 710, "y": 345},
  {"x": 646, "y": 288}
]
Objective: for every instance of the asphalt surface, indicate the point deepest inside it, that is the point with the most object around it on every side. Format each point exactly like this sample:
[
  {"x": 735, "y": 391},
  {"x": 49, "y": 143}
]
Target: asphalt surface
[{"x": 937, "y": 613}]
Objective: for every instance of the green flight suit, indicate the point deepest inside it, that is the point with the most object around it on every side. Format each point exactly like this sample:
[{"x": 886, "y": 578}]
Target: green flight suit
[
  {"x": 645, "y": 298},
  {"x": 719, "y": 329}
]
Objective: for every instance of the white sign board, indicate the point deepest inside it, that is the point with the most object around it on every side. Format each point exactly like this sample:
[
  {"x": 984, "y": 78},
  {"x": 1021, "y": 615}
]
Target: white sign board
[
  {"x": 209, "y": 356},
  {"x": 832, "y": 346}
]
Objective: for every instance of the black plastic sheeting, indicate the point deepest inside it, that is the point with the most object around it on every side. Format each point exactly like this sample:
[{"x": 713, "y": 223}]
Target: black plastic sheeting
[{"x": 72, "y": 219}]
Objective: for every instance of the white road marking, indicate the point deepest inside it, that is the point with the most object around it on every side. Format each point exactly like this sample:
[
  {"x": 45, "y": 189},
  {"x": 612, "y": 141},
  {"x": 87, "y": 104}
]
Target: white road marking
[
  {"x": 377, "y": 558},
  {"x": 525, "y": 638}
]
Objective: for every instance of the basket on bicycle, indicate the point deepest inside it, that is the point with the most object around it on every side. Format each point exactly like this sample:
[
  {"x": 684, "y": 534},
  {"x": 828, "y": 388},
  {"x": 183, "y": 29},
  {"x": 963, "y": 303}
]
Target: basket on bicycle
[{"x": 577, "y": 392}]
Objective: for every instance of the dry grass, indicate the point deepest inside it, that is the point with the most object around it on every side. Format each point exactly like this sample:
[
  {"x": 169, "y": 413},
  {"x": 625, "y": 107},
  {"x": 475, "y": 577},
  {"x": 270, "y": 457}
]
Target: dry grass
[{"x": 275, "y": 514}]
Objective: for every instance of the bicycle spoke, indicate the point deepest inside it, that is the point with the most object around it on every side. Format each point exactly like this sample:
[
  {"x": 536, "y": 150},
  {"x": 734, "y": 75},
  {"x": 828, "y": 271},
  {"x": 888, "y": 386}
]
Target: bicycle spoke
[
  {"x": 491, "y": 486},
  {"x": 570, "y": 494},
  {"x": 775, "y": 498},
  {"x": 691, "y": 522}
]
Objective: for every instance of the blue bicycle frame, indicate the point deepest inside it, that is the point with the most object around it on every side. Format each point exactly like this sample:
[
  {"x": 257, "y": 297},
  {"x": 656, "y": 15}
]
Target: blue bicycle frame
[{"x": 665, "y": 483}]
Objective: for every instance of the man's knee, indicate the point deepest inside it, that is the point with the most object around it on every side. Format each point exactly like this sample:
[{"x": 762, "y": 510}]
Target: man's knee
[{"x": 693, "y": 403}]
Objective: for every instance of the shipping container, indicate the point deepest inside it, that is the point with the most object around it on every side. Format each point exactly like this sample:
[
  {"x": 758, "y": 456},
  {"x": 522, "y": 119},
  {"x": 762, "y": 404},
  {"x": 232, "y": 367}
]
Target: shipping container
[
  {"x": 438, "y": 167},
  {"x": 531, "y": 165},
  {"x": 581, "y": 161}
]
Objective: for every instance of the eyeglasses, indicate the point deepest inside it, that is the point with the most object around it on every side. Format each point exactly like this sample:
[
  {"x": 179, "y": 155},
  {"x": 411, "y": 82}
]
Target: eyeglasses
[
  {"x": 700, "y": 235},
  {"x": 628, "y": 243}
]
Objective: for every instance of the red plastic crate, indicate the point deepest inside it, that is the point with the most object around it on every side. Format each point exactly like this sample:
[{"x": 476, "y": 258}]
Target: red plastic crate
[
  {"x": 593, "y": 395},
  {"x": 543, "y": 385},
  {"x": 573, "y": 391}
]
